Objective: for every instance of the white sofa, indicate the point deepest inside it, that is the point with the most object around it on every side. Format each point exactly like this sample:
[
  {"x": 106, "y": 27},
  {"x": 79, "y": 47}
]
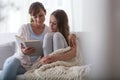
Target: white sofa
[{"x": 8, "y": 48}]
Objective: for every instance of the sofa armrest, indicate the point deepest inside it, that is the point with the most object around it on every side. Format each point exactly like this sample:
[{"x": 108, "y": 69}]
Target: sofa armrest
[{"x": 6, "y": 50}]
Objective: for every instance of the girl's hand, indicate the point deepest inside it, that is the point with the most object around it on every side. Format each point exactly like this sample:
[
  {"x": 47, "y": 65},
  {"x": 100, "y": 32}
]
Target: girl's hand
[
  {"x": 48, "y": 59},
  {"x": 72, "y": 40},
  {"x": 27, "y": 50}
]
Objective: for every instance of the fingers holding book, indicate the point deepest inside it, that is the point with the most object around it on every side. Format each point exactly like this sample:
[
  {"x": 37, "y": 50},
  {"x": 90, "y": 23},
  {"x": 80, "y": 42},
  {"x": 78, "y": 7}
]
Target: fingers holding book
[
  {"x": 27, "y": 50},
  {"x": 29, "y": 47}
]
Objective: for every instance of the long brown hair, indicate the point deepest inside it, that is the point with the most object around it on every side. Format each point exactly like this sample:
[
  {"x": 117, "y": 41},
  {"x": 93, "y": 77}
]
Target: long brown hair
[
  {"x": 35, "y": 8},
  {"x": 62, "y": 22}
]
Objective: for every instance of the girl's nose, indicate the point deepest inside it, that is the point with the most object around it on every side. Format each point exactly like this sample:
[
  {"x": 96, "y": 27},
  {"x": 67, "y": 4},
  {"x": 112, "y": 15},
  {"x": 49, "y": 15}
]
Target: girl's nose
[{"x": 51, "y": 24}]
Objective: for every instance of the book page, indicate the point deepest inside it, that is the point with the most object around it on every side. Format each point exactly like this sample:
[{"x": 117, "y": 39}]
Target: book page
[{"x": 31, "y": 43}]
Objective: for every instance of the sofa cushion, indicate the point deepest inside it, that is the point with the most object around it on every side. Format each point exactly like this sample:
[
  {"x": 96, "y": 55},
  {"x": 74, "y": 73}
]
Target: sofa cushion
[{"x": 6, "y": 50}]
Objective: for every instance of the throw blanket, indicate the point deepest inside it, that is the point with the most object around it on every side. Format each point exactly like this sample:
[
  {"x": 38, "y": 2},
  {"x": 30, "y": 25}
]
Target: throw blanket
[
  {"x": 59, "y": 70},
  {"x": 60, "y": 73}
]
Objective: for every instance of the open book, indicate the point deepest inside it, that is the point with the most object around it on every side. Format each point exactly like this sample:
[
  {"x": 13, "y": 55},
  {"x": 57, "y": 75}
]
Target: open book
[{"x": 31, "y": 43}]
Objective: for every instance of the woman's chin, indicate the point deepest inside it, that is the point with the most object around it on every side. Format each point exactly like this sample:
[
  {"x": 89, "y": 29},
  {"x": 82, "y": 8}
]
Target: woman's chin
[{"x": 39, "y": 24}]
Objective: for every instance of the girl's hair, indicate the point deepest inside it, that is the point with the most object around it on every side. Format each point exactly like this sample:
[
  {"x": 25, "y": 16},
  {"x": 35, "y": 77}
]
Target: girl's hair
[
  {"x": 62, "y": 22},
  {"x": 35, "y": 8}
]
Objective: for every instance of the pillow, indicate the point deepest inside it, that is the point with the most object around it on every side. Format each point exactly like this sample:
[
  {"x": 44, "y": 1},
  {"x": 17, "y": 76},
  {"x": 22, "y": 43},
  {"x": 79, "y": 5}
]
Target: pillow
[{"x": 6, "y": 50}]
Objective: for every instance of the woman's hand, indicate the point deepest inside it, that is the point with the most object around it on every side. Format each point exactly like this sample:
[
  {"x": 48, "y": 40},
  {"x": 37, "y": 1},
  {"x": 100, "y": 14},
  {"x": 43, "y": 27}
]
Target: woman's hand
[
  {"x": 48, "y": 59},
  {"x": 27, "y": 50}
]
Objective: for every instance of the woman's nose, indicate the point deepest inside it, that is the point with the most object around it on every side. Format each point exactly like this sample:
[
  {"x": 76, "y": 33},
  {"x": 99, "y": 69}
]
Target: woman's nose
[{"x": 39, "y": 18}]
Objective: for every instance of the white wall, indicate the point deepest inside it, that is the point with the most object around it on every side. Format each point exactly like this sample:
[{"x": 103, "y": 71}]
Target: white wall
[
  {"x": 102, "y": 19},
  {"x": 96, "y": 20}
]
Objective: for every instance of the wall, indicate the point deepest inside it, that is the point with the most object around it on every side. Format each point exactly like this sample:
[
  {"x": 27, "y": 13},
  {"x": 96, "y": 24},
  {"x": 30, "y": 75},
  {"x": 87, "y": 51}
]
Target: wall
[
  {"x": 102, "y": 19},
  {"x": 96, "y": 20}
]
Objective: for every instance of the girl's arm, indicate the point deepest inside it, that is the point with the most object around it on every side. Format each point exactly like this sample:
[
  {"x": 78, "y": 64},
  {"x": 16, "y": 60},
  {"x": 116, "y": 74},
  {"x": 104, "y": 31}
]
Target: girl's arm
[
  {"x": 63, "y": 57},
  {"x": 72, "y": 53}
]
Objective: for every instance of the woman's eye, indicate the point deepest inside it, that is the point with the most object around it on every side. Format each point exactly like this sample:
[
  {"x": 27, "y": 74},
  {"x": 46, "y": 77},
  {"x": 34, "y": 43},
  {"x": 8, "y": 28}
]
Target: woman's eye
[
  {"x": 37, "y": 16},
  {"x": 40, "y": 15},
  {"x": 34, "y": 16}
]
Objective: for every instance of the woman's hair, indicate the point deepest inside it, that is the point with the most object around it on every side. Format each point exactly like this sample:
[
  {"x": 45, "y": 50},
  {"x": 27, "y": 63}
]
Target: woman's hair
[
  {"x": 62, "y": 22},
  {"x": 35, "y": 8}
]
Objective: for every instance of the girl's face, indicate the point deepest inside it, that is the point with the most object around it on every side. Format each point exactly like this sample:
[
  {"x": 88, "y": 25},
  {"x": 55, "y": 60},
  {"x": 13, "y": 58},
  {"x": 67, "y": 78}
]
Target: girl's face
[
  {"x": 39, "y": 18},
  {"x": 53, "y": 24}
]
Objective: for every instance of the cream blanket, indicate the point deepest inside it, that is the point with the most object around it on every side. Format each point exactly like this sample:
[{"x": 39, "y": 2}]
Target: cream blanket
[{"x": 60, "y": 70}]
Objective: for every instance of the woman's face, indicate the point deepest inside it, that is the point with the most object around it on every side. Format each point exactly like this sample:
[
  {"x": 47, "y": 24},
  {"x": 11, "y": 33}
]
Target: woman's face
[
  {"x": 39, "y": 18},
  {"x": 53, "y": 24}
]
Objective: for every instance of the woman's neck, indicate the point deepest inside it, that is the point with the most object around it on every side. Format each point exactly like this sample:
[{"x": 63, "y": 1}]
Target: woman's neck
[
  {"x": 38, "y": 29},
  {"x": 38, "y": 26}
]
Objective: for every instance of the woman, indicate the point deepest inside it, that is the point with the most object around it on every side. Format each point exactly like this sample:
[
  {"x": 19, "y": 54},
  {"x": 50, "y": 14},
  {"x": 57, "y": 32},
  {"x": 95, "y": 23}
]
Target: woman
[
  {"x": 34, "y": 30},
  {"x": 58, "y": 38}
]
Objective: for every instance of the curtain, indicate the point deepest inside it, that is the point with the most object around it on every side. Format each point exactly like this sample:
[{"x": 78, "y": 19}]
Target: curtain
[{"x": 15, "y": 13}]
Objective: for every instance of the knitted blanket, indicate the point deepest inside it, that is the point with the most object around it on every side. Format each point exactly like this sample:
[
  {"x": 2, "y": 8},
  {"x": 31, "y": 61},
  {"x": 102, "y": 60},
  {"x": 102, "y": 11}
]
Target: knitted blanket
[
  {"x": 60, "y": 73},
  {"x": 60, "y": 70}
]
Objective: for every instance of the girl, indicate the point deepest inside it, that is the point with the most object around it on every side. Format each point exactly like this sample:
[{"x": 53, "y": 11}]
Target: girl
[{"x": 58, "y": 38}]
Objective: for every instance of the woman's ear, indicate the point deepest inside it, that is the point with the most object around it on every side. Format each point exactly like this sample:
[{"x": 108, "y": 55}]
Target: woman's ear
[
  {"x": 31, "y": 20},
  {"x": 45, "y": 13}
]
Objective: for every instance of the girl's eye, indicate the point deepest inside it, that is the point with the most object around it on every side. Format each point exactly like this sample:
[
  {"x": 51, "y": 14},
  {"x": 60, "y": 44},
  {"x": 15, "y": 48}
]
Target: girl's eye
[{"x": 54, "y": 23}]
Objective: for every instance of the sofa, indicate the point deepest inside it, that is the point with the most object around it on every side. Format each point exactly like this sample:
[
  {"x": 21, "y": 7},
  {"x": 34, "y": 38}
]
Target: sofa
[{"x": 8, "y": 48}]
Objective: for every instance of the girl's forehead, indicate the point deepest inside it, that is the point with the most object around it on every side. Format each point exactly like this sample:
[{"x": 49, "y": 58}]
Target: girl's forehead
[{"x": 53, "y": 18}]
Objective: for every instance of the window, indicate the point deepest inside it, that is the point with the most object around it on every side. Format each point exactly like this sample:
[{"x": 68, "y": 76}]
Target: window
[{"x": 14, "y": 13}]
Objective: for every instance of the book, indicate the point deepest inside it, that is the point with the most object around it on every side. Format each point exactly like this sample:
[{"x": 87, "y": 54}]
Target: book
[{"x": 31, "y": 43}]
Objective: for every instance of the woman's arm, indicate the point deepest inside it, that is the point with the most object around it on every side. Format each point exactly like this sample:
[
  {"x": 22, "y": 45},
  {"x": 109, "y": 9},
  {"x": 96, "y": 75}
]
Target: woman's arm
[
  {"x": 63, "y": 57},
  {"x": 24, "y": 32}
]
